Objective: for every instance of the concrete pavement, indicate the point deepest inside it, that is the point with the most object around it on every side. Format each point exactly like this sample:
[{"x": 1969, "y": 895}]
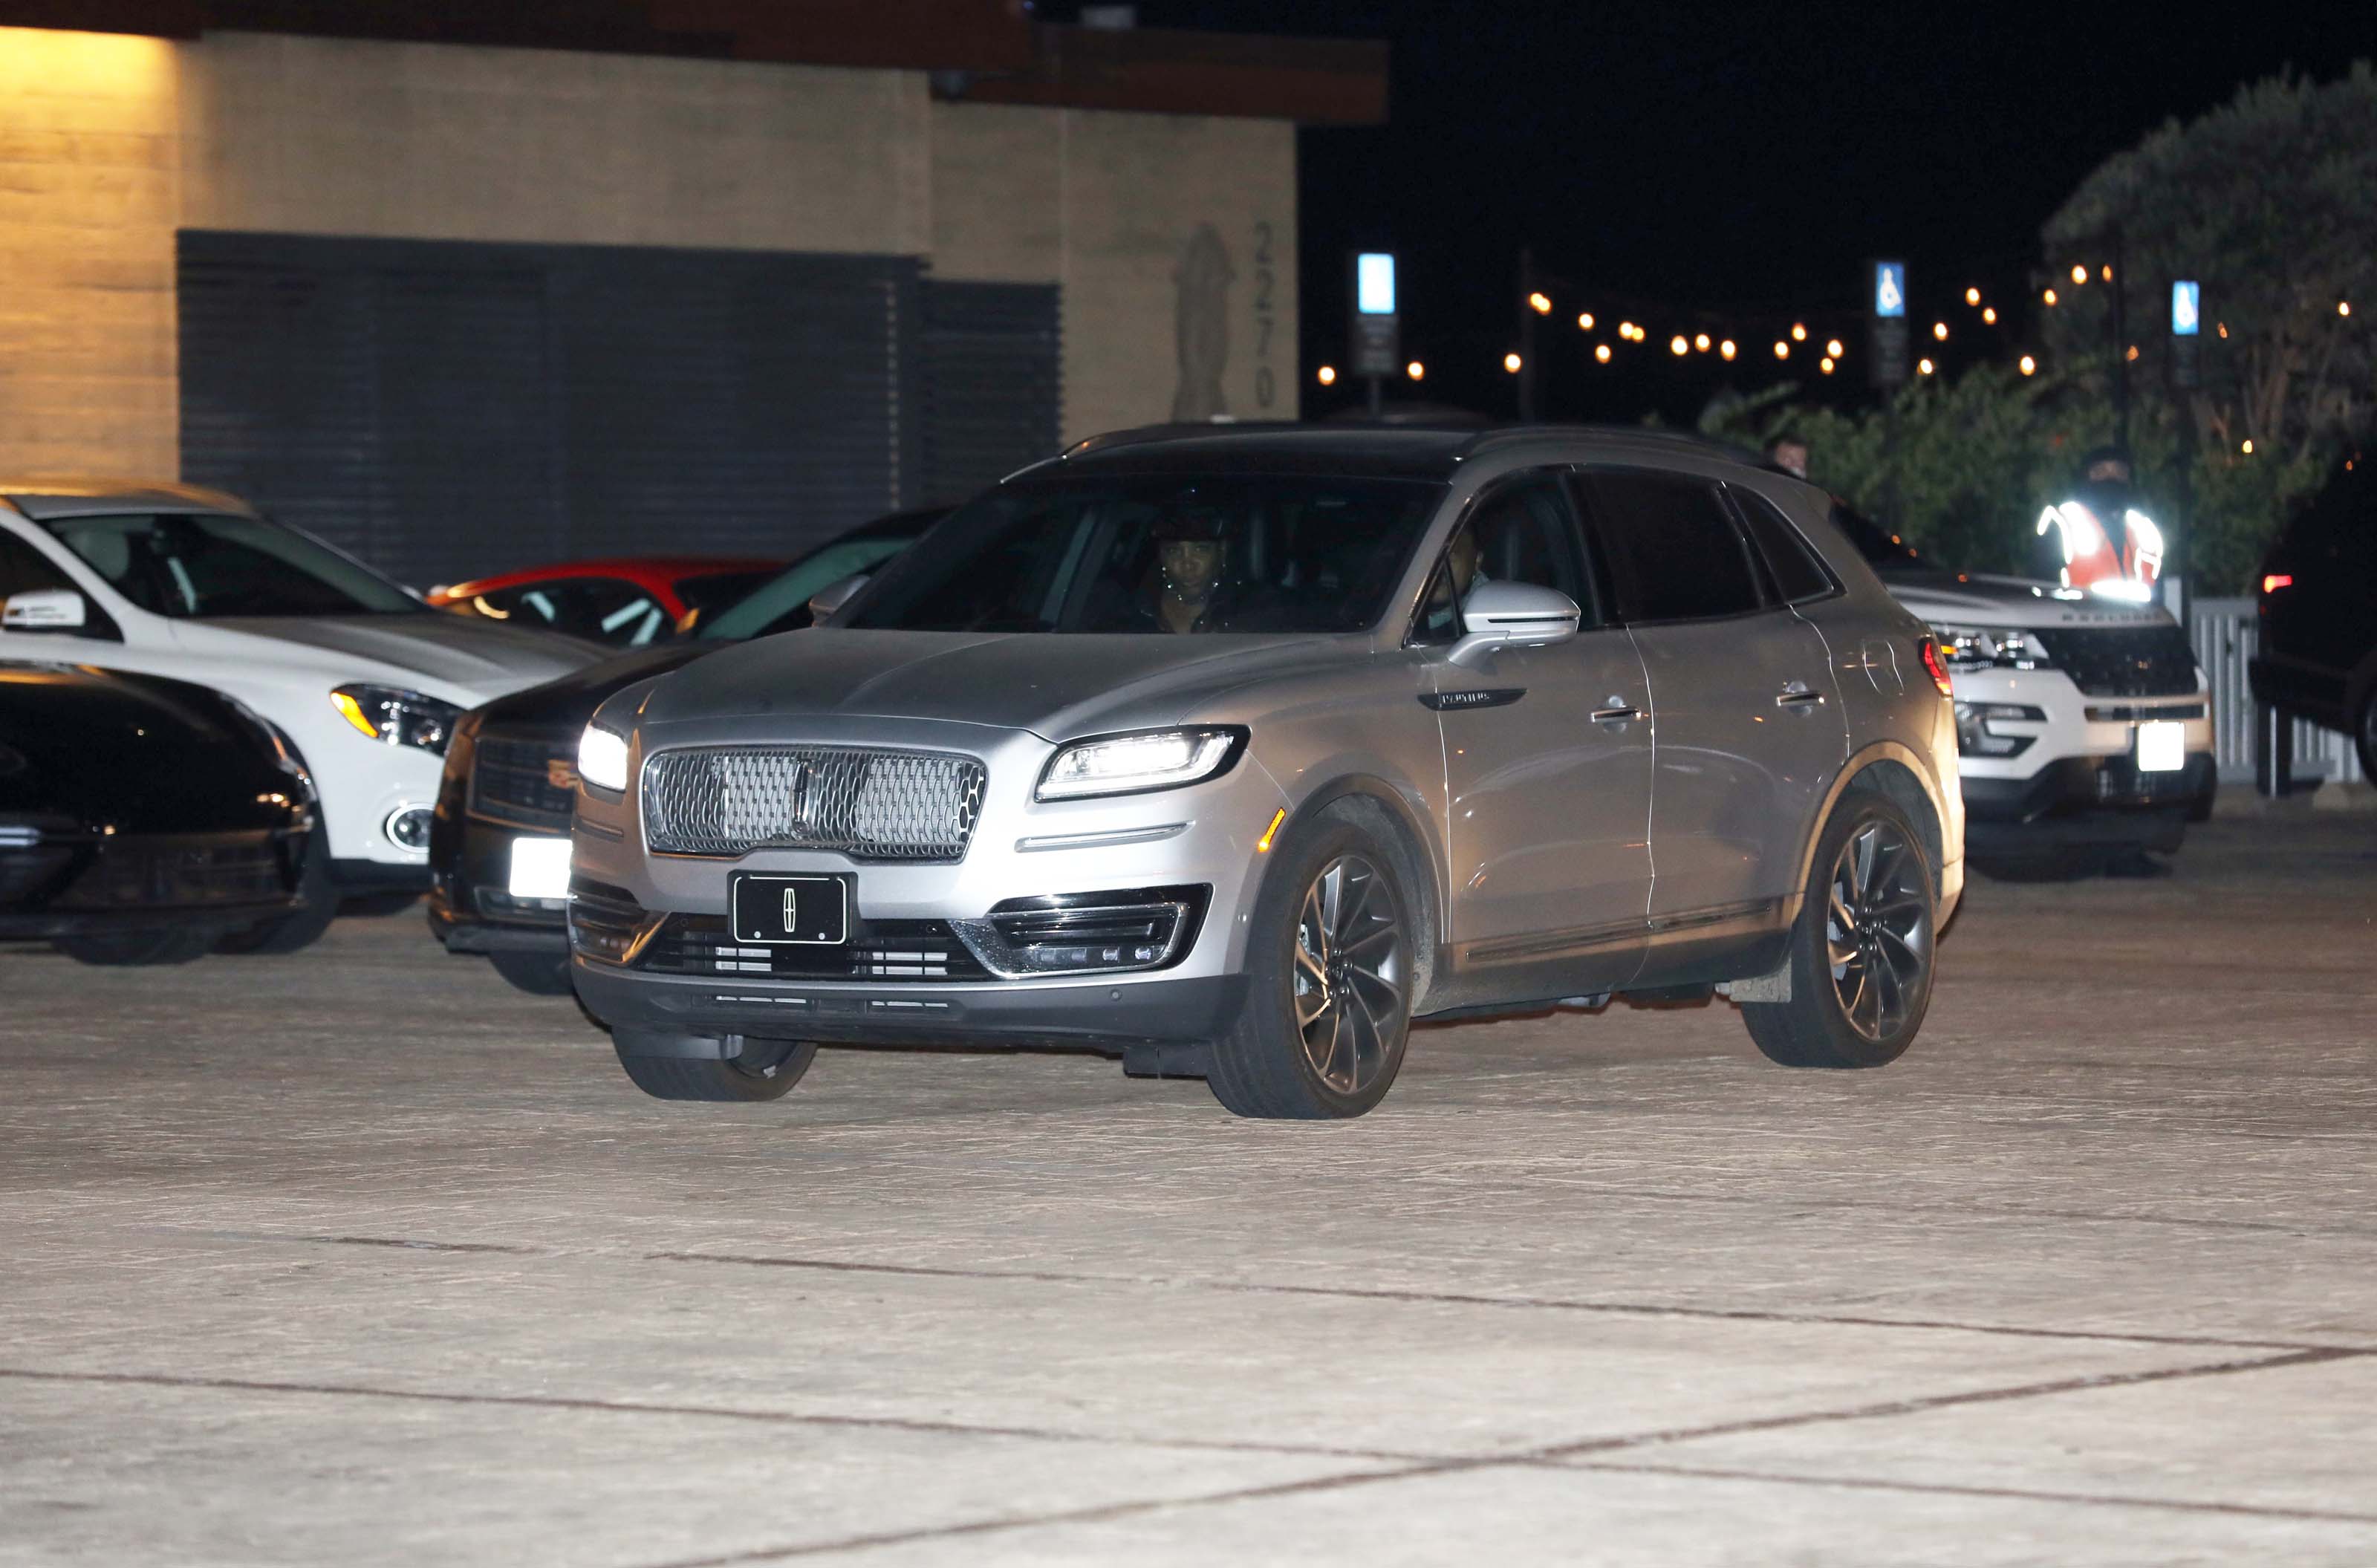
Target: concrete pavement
[{"x": 358, "y": 1256}]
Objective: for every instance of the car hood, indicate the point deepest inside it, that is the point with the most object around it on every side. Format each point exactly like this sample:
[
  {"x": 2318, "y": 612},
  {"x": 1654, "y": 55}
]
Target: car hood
[
  {"x": 1057, "y": 686},
  {"x": 566, "y": 704},
  {"x": 1977, "y": 599},
  {"x": 469, "y": 652},
  {"x": 135, "y": 753}
]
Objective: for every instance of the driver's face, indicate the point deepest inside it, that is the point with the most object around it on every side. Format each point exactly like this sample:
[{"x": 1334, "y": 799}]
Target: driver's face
[{"x": 1191, "y": 564}]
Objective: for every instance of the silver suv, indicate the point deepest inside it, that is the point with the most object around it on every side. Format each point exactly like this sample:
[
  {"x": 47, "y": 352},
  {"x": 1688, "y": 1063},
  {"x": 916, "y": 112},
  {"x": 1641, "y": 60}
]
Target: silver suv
[{"x": 1234, "y": 751}]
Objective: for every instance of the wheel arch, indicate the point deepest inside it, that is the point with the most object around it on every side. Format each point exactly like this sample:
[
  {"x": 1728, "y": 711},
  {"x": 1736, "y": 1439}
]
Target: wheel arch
[
  {"x": 1896, "y": 772},
  {"x": 1388, "y": 810}
]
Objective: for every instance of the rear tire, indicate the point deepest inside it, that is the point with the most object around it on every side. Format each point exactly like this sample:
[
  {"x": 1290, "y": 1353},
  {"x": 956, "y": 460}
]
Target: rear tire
[
  {"x": 1862, "y": 949},
  {"x": 141, "y": 949},
  {"x": 538, "y": 974},
  {"x": 766, "y": 1070},
  {"x": 1330, "y": 956}
]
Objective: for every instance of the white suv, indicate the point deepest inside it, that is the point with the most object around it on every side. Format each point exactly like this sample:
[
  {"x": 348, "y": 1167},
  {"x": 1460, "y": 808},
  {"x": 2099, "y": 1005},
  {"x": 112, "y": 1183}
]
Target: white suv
[
  {"x": 2083, "y": 727},
  {"x": 364, "y": 680}
]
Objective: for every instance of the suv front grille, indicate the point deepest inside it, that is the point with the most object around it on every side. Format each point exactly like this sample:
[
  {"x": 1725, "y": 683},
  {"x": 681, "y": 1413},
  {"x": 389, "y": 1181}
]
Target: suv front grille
[
  {"x": 884, "y": 950},
  {"x": 2126, "y": 661},
  {"x": 168, "y": 872},
  {"x": 868, "y": 804},
  {"x": 512, "y": 780}
]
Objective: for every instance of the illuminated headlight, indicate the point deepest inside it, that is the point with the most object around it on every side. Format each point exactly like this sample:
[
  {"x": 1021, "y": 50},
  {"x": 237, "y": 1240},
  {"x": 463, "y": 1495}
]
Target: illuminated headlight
[
  {"x": 603, "y": 759},
  {"x": 397, "y": 717},
  {"x": 1128, "y": 764},
  {"x": 1981, "y": 647}
]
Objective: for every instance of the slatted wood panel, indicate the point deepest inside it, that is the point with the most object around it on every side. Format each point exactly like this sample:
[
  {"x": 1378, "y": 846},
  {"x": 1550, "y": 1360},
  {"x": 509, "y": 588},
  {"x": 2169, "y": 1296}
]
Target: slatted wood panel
[{"x": 446, "y": 409}]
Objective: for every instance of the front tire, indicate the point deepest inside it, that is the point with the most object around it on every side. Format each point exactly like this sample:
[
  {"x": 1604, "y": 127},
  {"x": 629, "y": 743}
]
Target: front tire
[
  {"x": 538, "y": 974},
  {"x": 1330, "y": 962},
  {"x": 141, "y": 949},
  {"x": 1862, "y": 949},
  {"x": 765, "y": 1070}
]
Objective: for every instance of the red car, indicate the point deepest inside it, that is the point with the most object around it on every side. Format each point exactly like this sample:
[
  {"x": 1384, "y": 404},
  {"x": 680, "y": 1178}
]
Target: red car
[{"x": 626, "y": 603}]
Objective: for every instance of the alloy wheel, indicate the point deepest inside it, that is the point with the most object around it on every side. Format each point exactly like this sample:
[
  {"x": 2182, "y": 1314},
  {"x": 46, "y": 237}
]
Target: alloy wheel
[
  {"x": 1876, "y": 929},
  {"x": 1350, "y": 972}
]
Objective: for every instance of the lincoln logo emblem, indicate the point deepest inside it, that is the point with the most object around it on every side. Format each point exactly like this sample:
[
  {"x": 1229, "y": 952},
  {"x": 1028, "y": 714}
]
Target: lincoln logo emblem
[
  {"x": 798, "y": 792},
  {"x": 792, "y": 909}
]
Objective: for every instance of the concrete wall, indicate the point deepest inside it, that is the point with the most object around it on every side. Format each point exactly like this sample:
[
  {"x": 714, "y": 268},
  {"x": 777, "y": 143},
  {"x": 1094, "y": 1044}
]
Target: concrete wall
[{"x": 1173, "y": 236}]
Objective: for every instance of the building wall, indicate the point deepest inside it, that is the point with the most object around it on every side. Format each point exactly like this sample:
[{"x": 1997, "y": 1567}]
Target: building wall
[{"x": 1172, "y": 237}]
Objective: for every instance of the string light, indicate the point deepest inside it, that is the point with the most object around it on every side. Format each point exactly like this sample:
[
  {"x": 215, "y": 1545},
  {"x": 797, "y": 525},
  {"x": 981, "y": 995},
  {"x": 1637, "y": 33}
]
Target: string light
[
  {"x": 1511, "y": 363},
  {"x": 1540, "y": 304},
  {"x": 1825, "y": 365},
  {"x": 2049, "y": 296},
  {"x": 1328, "y": 375},
  {"x": 1781, "y": 349},
  {"x": 1990, "y": 314},
  {"x": 1835, "y": 349},
  {"x": 1416, "y": 370},
  {"x": 2222, "y": 328},
  {"x": 1601, "y": 353},
  {"x": 2134, "y": 351},
  {"x": 1676, "y": 346},
  {"x": 2108, "y": 272},
  {"x": 1725, "y": 349},
  {"x": 1701, "y": 341},
  {"x": 1972, "y": 296},
  {"x": 1626, "y": 331},
  {"x": 2080, "y": 275},
  {"x": 2344, "y": 307},
  {"x": 1940, "y": 330},
  {"x": 1923, "y": 367},
  {"x": 2247, "y": 447},
  {"x": 1798, "y": 332},
  {"x": 1585, "y": 321},
  {"x": 2029, "y": 366}
]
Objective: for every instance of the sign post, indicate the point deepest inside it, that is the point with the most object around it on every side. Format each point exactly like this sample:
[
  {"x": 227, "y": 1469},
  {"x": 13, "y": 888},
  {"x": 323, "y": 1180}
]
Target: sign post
[
  {"x": 1886, "y": 327},
  {"x": 1377, "y": 331}
]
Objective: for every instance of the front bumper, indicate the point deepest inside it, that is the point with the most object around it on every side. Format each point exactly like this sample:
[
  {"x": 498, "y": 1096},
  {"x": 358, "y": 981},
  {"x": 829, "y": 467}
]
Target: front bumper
[
  {"x": 470, "y": 905},
  {"x": 1089, "y": 1014}
]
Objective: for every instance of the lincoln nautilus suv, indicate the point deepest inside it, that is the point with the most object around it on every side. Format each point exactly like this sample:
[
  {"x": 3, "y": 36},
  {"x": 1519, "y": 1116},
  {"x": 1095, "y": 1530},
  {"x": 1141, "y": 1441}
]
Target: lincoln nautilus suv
[{"x": 1234, "y": 751}]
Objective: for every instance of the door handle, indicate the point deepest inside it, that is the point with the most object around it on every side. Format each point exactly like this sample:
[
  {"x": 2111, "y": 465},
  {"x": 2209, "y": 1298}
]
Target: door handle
[
  {"x": 1796, "y": 695},
  {"x": 1618, "y": 715}
]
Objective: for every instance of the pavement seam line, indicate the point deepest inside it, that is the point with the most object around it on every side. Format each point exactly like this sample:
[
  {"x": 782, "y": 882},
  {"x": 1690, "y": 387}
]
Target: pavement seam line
[
  {"x": 1552, "y": 1456},
  {"x": 712, "y": 1412},
  {"x": 1465, "y": 1299}
]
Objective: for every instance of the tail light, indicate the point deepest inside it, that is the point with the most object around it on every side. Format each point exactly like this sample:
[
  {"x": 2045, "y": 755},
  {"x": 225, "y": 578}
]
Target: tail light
[
  {"x": 2276, "y": 581},
  {"x": 1938, "y": 671}
]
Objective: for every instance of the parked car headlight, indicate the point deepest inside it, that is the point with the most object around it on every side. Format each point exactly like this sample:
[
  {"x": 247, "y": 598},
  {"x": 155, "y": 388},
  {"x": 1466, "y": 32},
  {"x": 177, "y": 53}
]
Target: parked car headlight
[
  {"x": 603, "y": 759},
  {"x": 397, "y": 717},
  {"x": 1128, "y": 764},
  {"x": 1979, "y": 646}
]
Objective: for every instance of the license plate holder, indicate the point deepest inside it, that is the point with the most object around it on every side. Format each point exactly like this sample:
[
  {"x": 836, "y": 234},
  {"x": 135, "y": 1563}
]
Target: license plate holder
[
  {"x": 772, "y": 909},
  {"x": 2162, "y": 747}
]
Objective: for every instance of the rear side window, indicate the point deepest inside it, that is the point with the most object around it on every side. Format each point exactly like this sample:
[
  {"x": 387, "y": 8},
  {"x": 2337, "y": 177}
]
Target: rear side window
[
  {"x": 1672, "y": 545},
  {"x": 1797, "y": 573}
]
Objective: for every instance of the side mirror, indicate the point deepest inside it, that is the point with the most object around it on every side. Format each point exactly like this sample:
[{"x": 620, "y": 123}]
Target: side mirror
[
  {"x": 45, "y": 609},
  {"x": 833, "y": 596},
  {"x": 1513, "y": 615}
]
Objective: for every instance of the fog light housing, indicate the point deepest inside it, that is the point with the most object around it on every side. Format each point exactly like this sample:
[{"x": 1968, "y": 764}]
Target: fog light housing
[
  {"x": 408, "y": 828},
  {"x": 1099, "y": 933},
  {"x": 1976, "y": 731}
]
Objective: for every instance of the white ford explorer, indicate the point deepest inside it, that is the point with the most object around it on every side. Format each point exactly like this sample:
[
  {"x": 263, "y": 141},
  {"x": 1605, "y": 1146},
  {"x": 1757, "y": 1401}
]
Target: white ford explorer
[{"x": 364, "y": 680}]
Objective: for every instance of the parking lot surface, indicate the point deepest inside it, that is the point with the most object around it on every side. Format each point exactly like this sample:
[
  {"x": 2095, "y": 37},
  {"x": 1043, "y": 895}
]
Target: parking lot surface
[{"x": 358, "y": 1256}]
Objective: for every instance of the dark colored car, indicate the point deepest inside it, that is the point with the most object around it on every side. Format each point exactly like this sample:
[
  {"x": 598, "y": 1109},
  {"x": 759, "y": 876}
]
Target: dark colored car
[
  {"x": 626, "y": 603},
  {"x": 142, "y": 820},
  {"x": 2318, "y": 653},
  {"x": 499, "y": 846}
]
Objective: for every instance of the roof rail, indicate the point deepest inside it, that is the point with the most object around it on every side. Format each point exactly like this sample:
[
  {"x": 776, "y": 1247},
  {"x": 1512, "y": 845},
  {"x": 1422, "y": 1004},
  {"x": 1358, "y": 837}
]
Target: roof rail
[
  {"x": 1181, "y": 430},
  {"x": 1649, "y": 434}
]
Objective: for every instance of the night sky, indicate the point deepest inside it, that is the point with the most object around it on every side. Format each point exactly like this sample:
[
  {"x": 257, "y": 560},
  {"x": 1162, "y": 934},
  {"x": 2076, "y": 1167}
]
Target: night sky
[{"x": 1732, "y": 164}]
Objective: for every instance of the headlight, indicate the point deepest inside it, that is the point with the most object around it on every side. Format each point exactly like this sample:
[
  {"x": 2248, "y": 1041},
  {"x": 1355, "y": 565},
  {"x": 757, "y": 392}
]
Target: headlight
[
  {"x": 1977, "y": 734},
  {"x": 397, "y": 717},
  {"x": 1979, "y": 646},
  {"x": 1127, "y": 764},
  {"x": 603, "y": 759}
]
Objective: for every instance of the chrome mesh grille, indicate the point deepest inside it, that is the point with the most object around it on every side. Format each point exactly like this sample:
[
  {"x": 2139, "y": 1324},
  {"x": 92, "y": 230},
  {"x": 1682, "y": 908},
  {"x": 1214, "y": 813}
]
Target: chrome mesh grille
[{"x": 869, "y": 804}]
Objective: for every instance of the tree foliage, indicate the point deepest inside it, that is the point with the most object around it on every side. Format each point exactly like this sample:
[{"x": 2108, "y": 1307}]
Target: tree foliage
[{"x": 2264, "y": 201}]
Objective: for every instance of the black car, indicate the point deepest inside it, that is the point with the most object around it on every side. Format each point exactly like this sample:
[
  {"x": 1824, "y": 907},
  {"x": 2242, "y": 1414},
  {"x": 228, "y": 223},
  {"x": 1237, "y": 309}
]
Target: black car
[
  {"x": 2318, "y": 655},
  {"x": 499, "y": 845},
  {"x": 142, "y": 820}
]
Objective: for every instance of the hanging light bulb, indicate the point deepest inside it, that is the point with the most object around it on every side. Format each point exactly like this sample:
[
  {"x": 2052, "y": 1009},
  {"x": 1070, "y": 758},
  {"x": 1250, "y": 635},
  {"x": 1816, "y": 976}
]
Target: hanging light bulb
[
  {"x": 1940, "y": 330},
  {"x": 1701, "y": 341},
  {"x": 1328, "y": 375},
  {"x": 1727, "y": 349},
  {"x": 1923, "y": 367},
  {"x": 1585, "y": 321},
  {"x": 1676, "y": 346},
  {"x": 1416, "y": 370},
  {"x": 1781, "y": 349},
  {"x": 1798, "y": 332},
  {"x": 2048, "y": 296},
  {"x": 2029, "y": 366},
  {"x": 1540, "y": 304},
  {"x": 2080, "y": 275},
  {"x": 1972, "y": 296},
  {"x": 1601, "y": 353},
  {"x": 1834, "y": 348},
  {"x": 1511, "y": 363},
  {"x": 1990, "y": 314},
  {"x": 1825, "y": 365}
]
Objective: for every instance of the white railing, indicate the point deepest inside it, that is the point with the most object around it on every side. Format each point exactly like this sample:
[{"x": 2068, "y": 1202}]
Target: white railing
[{"x": 2225, "y": 632}]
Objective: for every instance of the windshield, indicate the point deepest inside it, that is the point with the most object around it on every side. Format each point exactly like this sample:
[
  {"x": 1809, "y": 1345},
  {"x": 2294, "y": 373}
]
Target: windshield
[
  {"x": 781, "y": 603},
  {"x": 1163, "y": 553},
  {"x": 186, "y": 565}
]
